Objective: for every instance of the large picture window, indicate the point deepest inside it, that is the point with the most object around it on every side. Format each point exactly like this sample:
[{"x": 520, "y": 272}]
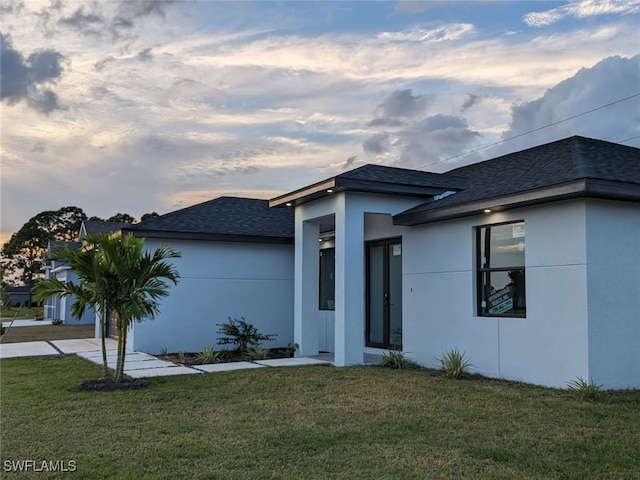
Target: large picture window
[
  {"x": 501, "y": 272},
  {"x": 327, "y": 279}
]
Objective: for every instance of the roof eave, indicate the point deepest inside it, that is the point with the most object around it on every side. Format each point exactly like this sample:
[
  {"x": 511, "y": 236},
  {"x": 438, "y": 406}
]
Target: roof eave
[
  {"x": 577, "y": 189},
  {"x": 341, "y": 184},
  {"x": 209, "y": 237}
]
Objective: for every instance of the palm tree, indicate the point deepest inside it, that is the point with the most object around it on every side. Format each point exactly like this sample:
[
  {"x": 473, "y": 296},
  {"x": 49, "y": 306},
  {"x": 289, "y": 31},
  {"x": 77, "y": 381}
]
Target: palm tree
[{"x": 116, "y": 275}]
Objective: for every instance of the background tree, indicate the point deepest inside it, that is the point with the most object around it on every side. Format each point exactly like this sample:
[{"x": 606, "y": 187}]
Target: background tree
[
  {"x": 121, "y": 217},
  {"x": 147, "y": 216},
  {"x": 116, "y": 275},
  {"x": 24, "y": 251}
]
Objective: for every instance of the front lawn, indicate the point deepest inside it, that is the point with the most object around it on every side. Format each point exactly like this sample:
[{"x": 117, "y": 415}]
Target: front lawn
[
  {"x": 47, "y": 332},
  {"x": 20, "y": 313},
  {"x": 312, "y": 423}
]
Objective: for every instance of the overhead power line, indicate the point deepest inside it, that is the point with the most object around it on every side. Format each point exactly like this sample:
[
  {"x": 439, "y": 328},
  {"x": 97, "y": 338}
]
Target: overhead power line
[{"x": 536, "y": 130}]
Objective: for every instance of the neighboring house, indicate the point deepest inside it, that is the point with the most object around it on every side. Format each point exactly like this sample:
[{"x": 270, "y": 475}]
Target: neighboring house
[
  {"x": 19, "y": 296},
  {"x": 237, "y": 261},
  {"x": 95, "y": 227},
  {"x": 60, "y": 307},
  {"x": 529, "y": 263}
]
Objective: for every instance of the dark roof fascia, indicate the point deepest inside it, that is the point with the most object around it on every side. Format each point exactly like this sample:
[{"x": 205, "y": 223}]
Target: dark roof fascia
[
  {"x": 583, "y": 188},
  {"x": 345, "y": 184},
  {"x": 209, "y": 237}
]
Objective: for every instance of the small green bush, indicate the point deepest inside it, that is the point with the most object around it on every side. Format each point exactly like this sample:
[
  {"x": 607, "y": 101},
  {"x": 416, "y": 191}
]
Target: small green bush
[
  {"x": 396, "y": 359},
  {"x": 257, "y": 352},
  {"x": 585, "y": 391},
  {"x": 2, "y": 329},
  {"x": 292, "y": 348},
  {"x": 241, "y": 334},
  {"x": 56, "y": 321},
  {"x": 455, "y": 364},
  {"x": 208, "y": 355}
]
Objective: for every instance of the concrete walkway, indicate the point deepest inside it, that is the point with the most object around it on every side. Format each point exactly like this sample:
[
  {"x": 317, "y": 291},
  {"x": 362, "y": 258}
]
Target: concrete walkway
[
  {"x": 137, "y": 364},
  {"x": 25, "y": 323}
]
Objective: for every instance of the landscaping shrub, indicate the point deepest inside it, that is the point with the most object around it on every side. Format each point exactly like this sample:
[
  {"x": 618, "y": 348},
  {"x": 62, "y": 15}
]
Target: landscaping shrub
[
  {"x": 258, "y": 353},
  {"x": 585, "y": 391},
  {"x": 455, "y": 364},
  {"x": 241, "y": 334},
  {"x": 396, "y": 359},
  {"x": 208, "y": 355}
]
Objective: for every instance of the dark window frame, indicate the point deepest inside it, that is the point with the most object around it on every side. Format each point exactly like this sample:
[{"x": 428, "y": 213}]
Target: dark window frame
[
  {"x": 322, "y": 296},
  {"x": 483, "y": 272}
]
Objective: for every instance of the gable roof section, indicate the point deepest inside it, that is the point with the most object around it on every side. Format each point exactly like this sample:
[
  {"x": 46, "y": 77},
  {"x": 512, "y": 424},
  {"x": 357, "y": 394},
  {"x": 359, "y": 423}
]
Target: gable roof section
[
  {"x": 100, "y": 226},
  {"x": 569, "y": 168},
  {"x": 230, "y": 219},
  {"x": 375, "y": 179}
]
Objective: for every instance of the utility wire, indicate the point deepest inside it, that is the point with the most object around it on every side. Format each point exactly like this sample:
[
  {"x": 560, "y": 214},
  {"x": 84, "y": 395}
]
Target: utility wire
[{"x": 534, "y": 130}]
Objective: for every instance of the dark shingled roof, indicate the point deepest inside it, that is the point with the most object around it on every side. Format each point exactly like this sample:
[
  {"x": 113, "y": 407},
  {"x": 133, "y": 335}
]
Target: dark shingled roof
[
  {"x": 55, "y": 245},
  {"x": 375, "y": 179},
  {"x": 554, "y": 164},
  {"x": 101, "y": 226},
  {"x": 222, "y": 219},
  {"x": 403, "y": 176}
]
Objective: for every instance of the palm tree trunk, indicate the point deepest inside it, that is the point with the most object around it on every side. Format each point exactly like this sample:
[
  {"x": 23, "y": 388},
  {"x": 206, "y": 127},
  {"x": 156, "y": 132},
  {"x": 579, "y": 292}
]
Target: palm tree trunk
[
  {"x": 103, "y": 334},
  {"x": 122, "y": 341}
]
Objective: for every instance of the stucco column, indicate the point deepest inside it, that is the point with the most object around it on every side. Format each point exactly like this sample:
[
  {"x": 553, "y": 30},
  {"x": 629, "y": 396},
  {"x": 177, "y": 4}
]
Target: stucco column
[
  {"x": 306, "y": 286},
  {"x": 349, "y": 306}
]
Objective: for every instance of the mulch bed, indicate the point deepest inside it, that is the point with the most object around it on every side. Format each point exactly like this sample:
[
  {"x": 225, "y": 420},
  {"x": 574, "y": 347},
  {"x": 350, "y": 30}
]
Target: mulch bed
[
  {"x": 191, "y": 358},
  {"x": 100, "y": 385}
]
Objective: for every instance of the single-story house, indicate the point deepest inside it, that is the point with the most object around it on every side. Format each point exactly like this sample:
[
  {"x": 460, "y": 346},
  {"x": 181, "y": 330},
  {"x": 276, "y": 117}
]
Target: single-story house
[
  {"x": 59, "y": 308},
  {"x": 237, "y": 261},
  {"x": 529, "y": 263},
  {"x": 19, "y": 296}
]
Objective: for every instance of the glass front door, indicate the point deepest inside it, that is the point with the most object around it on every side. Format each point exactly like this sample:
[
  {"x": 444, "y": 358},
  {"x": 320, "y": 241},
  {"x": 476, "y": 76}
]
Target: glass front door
[{"x": 384, "y": 294}]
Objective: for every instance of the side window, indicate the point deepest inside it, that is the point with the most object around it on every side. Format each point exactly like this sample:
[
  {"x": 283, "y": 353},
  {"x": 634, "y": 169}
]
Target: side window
[
  {"x": 500, "y": 251},
  {"x": 327, "y": 279}
]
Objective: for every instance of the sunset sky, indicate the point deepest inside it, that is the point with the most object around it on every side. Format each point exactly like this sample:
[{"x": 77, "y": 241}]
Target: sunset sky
[{"x": 152, "y": 106}]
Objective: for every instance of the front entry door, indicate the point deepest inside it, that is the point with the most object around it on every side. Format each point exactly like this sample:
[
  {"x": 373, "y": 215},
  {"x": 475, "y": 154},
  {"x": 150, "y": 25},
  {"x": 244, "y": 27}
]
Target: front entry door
[{"x": 384, "y": 294}]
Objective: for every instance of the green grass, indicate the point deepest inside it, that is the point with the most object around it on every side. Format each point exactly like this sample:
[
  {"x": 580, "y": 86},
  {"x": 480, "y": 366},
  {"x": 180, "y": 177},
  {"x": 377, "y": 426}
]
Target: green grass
[
  {"x": 7, "y": 313},
  {"x": 313, "y": 423},
  {"x": 47, "y": 332}
]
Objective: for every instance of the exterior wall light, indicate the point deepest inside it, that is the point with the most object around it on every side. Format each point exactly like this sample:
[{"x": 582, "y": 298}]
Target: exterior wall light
[
  {"x": 330, "y": 190},
  {"x": 487, "y": 210}
]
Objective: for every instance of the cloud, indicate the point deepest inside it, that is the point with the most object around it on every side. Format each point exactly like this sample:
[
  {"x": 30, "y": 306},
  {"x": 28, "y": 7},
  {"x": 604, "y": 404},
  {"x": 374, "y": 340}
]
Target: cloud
[
  {"x": 24, "y": 79},
  {"x": 9, "y": 7},
  {"x": 415, "y": 138},
  {"x": 86, "y": 23},
  {"x": 609, "y": 80},
  {"x": 581, "y": 9},
  {"x": 400, "y": 104},
  {"x": 472, "y": 99},
  {"x": 412, "y": 7},
  {"x": 145, "y": 55},
  {"x": 377, "y": 144},
  {"x": 110, "y": 20},
  {"x": 449, "y": 32}
]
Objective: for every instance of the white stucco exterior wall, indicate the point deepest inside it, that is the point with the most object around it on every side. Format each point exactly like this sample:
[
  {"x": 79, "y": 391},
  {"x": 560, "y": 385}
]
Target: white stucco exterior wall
[
  {"x": 613, "y": 279},
  {"x": 351, "y": 214},
  {"x": 550, "y": 345},
  {"x": 221, "y": 280}
]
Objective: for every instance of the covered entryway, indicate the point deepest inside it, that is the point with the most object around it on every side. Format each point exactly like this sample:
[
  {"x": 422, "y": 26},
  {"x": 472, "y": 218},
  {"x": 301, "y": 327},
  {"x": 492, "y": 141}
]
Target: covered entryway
[
  {"x": 384, "y": 294},
  {"x": 359, "y": 204}
]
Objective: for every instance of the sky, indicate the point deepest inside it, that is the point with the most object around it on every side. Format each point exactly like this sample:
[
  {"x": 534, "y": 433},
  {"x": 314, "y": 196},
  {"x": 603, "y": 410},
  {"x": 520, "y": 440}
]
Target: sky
[{"x": 143, "y": 106}]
